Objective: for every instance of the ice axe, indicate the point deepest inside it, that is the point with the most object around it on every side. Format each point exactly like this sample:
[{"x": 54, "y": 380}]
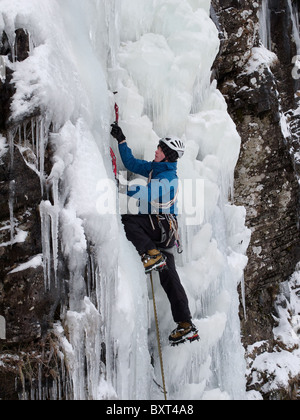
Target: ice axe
[{"x": 112, "y": 153}]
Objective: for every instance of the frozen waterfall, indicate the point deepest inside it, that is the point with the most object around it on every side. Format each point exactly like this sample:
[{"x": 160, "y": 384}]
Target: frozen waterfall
[{"x": 158, "y": 55}]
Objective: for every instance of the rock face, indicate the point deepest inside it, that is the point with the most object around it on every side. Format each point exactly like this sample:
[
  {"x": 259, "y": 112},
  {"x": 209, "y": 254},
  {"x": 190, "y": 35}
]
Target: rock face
[{"x": 260, "y": 91}]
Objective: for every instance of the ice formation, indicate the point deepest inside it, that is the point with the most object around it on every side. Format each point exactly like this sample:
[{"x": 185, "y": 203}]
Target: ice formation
[{"x": 158, "y": 55}]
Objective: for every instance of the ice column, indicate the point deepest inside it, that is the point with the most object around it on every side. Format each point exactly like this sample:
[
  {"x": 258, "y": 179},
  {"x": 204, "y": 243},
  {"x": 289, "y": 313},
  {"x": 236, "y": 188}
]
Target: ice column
[
  {"x": 265, "y": 25},
  {"x": 49, "y": 224},
  {"x": 12, "y": 186},
  {"x": 2, "y": 69}
]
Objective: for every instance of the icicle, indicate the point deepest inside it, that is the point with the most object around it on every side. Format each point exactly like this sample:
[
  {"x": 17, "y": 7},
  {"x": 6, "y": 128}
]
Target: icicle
[
  {"x": 55, "y": 192},
  {"x": 33, "y": 137},
  {"x": 49, "y": 224},
  {"x": 11, "y": 136},
  {"x": 41, "y": 142},
  {"x": 2, "y": 69},
  {"x": 12, "y": 186},
  {"x": 38, "y": 132},
  {"x": 54, "y": 233},
  {"x": 45, "y": 227},
  {"x": 265, "y": 25},
  {"x": 36, "y": 139}
]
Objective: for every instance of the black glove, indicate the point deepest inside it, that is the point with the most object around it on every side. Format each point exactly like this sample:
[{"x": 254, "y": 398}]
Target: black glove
[{"x": 117, "y": 133}]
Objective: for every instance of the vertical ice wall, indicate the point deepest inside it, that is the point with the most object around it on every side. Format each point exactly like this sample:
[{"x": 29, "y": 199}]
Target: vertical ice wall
[
  {"x": 164, "y": 89},
  {"x": 157, "y": 54}
]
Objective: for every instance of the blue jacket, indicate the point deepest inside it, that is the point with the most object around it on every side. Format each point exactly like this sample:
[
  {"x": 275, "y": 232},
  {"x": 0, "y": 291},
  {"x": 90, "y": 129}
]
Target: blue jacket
[{"x": 159, "y": 196}]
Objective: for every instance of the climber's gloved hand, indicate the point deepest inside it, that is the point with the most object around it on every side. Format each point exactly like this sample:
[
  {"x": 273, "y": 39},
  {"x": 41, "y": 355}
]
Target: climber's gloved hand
[{"x": 117, "y": 133}]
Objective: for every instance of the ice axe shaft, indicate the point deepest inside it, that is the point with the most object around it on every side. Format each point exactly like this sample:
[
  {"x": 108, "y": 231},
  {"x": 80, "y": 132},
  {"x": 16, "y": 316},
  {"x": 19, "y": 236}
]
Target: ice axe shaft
[{"x": 112, "y": 154}]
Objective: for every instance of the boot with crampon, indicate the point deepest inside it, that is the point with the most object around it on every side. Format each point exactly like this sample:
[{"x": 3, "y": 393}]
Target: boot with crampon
[
  {"x": 153, "y": 260},
  {"x": 185, "y": 332}
]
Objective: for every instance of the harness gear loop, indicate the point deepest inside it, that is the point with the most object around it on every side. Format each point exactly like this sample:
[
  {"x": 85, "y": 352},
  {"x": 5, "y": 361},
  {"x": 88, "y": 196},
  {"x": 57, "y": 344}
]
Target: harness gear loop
[{"x": 171, "y": 218}]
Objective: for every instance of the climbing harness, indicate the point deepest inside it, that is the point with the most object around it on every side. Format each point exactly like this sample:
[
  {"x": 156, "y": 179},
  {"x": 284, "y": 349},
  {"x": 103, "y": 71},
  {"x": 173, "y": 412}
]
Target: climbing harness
[
  {"x": 158, "y": 340},
  {"x": 166, "y": 238},
  {"x": 174, "y": 231}
]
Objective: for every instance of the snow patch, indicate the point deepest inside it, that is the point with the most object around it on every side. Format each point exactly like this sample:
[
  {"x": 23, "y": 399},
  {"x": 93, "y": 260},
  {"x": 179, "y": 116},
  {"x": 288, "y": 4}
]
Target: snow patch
[
  {"x": 260, "y": 58},
  {"x": 34, "y": 262},
  {"x": 19, "y": 238},
  {"x": 278, "y": 370}
]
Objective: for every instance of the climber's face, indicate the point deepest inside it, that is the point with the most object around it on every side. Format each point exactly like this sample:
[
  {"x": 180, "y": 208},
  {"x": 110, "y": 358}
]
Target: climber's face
[{"x": 159, "y": 155}]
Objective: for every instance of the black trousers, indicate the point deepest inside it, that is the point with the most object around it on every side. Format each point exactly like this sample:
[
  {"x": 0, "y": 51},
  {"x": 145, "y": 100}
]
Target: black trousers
[{"x": 139, "y": 231}]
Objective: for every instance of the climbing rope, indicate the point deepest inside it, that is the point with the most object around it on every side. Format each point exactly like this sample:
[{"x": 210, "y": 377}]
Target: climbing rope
[{"x": 158, "y": 340}]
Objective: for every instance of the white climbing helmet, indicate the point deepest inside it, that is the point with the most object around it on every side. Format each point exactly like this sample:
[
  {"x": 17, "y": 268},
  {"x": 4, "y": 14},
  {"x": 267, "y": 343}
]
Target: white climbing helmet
[{"x": 174, "y": 144}]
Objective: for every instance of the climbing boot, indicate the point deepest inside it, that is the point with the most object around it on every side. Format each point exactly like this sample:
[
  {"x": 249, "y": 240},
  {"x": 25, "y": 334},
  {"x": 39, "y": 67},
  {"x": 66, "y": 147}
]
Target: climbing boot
[
  {"x": 185, "y": 331},
  {"x": 153, "y": 260}
]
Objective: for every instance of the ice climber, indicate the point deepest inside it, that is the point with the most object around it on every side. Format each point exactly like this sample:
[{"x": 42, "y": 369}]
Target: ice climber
[{"x": 153, "y": 230}]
